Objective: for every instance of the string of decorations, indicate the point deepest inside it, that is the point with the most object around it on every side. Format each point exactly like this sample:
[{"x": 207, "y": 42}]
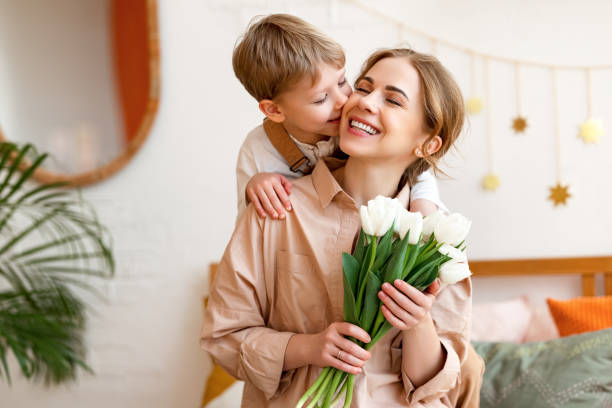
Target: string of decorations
[{"x": 591, "y": 130}]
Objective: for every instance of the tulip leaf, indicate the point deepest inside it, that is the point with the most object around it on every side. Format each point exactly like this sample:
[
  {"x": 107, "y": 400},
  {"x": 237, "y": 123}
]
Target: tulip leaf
[
  {"x": 384, "y": 328},
  {"x": 370, "y": 253},
  {"x": 396, "y": 264},
  {"x": 384, "y": 249},
  {"x": 413, "y": 275},
  {"x": 411, "y": 258},
  {"x": 426, "y": 278},
  {"x": 349, "y": 312},
  {"x": 360, "y": 247},
  {"x": 371, "y": 302},
  {"x": 350, "y": 268},
  {"x": 426, "y": 255},
  {"x": 366, "y": 265}
]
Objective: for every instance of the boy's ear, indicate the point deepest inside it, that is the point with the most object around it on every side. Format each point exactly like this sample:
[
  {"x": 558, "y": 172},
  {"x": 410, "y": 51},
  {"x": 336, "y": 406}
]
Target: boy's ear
[
  {"x": 271, "y": 110},
  {"x": 432, "y": 146}
]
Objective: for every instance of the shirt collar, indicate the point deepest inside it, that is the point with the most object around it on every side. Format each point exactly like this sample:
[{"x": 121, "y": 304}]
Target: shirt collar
[{"x": 325, "y": 183}]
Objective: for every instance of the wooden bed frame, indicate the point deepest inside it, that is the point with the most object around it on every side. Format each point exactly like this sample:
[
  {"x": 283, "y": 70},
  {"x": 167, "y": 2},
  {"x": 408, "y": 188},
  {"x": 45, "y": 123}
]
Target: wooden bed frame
[{"x": 588, "y": 267}]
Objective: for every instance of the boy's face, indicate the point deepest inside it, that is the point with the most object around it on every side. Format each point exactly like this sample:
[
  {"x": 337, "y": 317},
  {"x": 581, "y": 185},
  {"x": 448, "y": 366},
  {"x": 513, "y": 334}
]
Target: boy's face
[{"x": 311, "y": 111}]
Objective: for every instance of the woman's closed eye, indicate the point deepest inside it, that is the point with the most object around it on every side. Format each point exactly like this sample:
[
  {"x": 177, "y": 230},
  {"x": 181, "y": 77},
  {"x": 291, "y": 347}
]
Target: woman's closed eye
[
  {"x": 393, "y": 101},
  {"x": 390, "y": 100}
]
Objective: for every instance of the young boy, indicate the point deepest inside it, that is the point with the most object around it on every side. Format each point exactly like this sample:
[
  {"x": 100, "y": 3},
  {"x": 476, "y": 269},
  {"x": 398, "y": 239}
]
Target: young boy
[{"x": 297, "y": 75}]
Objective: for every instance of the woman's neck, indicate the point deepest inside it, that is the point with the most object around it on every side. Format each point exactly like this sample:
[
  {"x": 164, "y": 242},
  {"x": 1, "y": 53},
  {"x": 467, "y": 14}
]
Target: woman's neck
[{"x": 364, "y": 180}]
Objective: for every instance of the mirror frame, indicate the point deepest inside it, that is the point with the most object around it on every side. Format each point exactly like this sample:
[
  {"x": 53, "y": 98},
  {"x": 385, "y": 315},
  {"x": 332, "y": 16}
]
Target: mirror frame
[{"x": 107, "y": 170}]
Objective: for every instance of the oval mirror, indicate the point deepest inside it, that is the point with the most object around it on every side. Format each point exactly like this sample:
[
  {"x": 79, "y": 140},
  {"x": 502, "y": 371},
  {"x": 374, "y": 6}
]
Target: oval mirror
[{"x": 80, "y": 81}]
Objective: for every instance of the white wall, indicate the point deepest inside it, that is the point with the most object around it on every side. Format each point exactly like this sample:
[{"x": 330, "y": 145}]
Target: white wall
[{"x": 172, "y": 208}]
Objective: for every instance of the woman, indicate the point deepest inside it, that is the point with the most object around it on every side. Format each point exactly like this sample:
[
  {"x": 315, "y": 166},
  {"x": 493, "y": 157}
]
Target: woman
[{"x": 275, "y": 311}]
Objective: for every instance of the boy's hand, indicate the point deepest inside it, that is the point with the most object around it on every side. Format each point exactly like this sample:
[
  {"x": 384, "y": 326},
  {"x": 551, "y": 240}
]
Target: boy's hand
[{"x": 269, "y": 193}]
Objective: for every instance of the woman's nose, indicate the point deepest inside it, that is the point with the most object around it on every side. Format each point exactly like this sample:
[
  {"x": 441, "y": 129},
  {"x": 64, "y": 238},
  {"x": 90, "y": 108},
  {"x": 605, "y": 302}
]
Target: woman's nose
[{"x": 368, "y": 103}]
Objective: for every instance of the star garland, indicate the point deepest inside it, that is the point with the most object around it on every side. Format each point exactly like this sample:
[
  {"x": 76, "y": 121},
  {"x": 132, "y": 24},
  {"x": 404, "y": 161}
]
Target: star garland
[
  {"x": 591, "y": 129},
  {"x": 519, "y": 123},
  {"x": 490, "y": 182},
  {"x": 558, "y": 193},
  {"x": 474, "y": 103}
]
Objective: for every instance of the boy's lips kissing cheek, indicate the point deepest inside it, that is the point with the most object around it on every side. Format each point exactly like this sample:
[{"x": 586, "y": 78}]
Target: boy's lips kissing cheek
[{"x": 362, "y": 128}]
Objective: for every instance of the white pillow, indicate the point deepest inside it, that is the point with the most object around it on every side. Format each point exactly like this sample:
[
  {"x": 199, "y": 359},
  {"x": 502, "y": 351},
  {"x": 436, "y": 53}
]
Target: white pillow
[{"x": 505, "y": 321}]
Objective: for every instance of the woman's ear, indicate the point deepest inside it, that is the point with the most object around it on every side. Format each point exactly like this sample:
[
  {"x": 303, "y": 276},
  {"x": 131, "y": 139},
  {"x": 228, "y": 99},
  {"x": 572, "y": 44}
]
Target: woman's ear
[
  {"x": 433, "y": 145},
  {"x": 271, "y": 110}
]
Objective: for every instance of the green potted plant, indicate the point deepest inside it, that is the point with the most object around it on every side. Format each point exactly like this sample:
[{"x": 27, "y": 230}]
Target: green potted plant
[{"x": 51, "y": 247}]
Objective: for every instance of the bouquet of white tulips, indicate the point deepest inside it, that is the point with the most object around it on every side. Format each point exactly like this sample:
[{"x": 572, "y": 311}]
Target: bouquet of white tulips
[{"x": 393, "y": 244}]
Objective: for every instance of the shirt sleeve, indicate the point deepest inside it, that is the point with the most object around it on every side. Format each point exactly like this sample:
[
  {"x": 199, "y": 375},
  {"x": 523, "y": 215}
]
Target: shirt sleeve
[
  {"x": 426, "y": 188},
  {"x": 234, "y": 331},
  {"x": 246, "y": 167},
  {"x": 451, "y": 314}
]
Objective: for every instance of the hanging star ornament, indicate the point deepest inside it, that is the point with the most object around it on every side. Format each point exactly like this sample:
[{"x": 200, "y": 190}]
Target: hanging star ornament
[
  {"x": 519, "y": 124},
  {"x": 490, "y": 182},
  {"x": 591, "y": 130},
  {"x": 474, "y": 105},
  {"x": 559, "y": 194}
]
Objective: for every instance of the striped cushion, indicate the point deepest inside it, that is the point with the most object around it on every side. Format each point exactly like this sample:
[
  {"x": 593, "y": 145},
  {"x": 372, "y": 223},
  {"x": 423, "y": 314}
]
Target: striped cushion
[{"x": 581, "y": 314}]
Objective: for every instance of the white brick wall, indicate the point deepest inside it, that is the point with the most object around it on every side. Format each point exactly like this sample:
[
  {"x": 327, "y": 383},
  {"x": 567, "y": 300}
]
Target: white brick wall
[{"x": 171, "y": 209}]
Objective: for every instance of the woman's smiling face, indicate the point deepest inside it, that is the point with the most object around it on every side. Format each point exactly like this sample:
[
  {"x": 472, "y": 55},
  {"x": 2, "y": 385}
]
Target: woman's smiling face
[{"x": 383, "y": 118}]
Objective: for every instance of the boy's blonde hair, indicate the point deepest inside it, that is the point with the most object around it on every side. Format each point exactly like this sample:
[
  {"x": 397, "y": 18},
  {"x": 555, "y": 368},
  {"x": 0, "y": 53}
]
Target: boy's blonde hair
[
  {"x": 443, "y": 106},
  {"x": 279, "y": 50}
]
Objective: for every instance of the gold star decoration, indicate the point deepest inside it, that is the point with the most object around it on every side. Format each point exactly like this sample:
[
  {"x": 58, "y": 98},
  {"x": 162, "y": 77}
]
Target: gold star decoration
[
  {"x": 474, "y": 105},
  {"x": 519, "y": 124},
  {"x": 591, "y": 130},
  {"x": 559, "y": 194},
  {"x": 490, "y": 182}
]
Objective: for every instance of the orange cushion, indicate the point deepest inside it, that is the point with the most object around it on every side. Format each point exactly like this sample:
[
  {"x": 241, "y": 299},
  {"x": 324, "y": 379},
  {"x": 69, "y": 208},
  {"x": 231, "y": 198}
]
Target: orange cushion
[{"x": 581, "y": 314}]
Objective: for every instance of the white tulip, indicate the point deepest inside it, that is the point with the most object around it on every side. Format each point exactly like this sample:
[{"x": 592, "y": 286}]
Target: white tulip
[
  {"x": 409, "y": 221},
  {"x": 430, "y": 222},
  {"x": 457, "y": 255},
  {"x": 453, "y": 272},
  {"x": 452, "y": 229},
  {"x": 378, "y": 216},
  {"x": 366, "y": 223}
]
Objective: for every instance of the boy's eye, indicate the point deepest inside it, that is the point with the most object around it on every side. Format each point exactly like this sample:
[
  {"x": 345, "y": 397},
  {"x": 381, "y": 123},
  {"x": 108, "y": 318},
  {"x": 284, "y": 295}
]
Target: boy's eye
[
  {"x": 320, "y": 101},
  {"x": 341, "y": 83}
]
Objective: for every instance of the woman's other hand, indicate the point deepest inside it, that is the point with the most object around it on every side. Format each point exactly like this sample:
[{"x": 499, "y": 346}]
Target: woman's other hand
[{"x": 404, "y": 306}]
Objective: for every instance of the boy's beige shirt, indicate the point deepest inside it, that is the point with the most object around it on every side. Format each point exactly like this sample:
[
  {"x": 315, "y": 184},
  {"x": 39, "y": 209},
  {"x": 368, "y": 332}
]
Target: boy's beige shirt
[{"x": 278, "y": 278}]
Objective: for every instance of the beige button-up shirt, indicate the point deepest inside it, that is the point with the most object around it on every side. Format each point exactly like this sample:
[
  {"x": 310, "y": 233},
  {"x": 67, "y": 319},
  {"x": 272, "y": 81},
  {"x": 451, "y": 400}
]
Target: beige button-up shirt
[{"x": 281, "y": 277}]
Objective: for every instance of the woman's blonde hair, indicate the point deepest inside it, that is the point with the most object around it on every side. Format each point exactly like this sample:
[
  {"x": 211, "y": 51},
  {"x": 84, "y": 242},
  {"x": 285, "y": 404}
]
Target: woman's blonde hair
[
  {"x": 443, "y": 106},
  {"x": 279, "y": 50}
]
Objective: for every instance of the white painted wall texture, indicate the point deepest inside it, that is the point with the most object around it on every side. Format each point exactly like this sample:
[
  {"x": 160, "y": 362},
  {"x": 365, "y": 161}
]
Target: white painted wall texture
[{"x": 172, "y": 209}]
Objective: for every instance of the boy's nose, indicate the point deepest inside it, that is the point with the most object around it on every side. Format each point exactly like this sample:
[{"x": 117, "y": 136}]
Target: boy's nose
[{"x": 341, "y": 99}]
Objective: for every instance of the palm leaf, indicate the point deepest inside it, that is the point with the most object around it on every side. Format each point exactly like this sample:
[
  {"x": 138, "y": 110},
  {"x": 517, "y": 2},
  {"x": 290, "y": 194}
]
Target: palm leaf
[{"x": 51, "y": 244}]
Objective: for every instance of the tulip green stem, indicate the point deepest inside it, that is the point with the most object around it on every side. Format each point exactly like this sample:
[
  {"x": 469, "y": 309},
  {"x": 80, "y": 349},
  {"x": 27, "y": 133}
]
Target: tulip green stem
[
  {"x": 314, "y": 388},
  {"x": 343, "y": 389},
  {"x": 324, "y": 386},
  {"x": 332, "y": 388}
]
